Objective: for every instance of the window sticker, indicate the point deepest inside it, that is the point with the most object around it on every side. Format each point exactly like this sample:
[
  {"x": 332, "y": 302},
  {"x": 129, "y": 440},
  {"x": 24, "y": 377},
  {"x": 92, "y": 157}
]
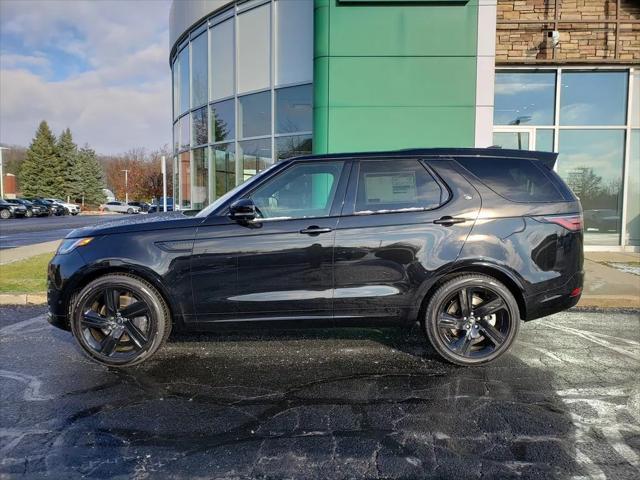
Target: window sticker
[{"x": 390, "y": 187}]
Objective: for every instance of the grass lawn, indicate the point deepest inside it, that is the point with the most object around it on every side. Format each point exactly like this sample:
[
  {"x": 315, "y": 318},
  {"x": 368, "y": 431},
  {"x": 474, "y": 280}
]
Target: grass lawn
[{"x": 25, "y": 276}]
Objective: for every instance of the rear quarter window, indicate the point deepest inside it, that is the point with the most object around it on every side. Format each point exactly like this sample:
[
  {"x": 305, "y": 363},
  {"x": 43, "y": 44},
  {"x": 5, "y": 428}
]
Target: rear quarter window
[{"x": 516, "y": 179}]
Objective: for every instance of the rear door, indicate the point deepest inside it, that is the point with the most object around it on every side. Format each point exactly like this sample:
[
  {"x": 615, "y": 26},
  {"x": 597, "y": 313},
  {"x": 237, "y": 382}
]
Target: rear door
[{"x": 404, "y": 220}]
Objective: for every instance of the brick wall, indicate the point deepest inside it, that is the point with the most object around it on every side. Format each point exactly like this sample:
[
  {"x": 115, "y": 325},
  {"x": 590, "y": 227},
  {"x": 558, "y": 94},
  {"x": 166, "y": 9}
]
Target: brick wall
[{"x": 521, "y": 35}]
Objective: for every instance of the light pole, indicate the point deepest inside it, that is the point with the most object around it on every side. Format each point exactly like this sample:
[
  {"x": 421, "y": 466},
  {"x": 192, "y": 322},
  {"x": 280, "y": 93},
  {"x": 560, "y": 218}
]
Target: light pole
[
  {"x": 126, "y": 186},
  {"x": 2, "y": 173},
  {"x": 164, "y": 184}
]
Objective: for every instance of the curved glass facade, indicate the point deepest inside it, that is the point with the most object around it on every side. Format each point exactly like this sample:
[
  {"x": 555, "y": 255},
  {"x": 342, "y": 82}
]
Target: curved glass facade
[{"x": 242, "y": 96}]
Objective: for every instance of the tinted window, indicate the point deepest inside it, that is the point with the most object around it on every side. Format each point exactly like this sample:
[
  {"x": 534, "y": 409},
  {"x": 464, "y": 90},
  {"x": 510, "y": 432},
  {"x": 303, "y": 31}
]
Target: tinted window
[
  {"x": 516, "y": 179},
  {"x": 304, "y": 190},
  {"x": 395, "y": 185}
]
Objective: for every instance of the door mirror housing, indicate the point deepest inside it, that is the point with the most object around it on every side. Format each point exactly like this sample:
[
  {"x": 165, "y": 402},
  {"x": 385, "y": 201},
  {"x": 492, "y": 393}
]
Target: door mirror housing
[{"x": 242, "y": 210}]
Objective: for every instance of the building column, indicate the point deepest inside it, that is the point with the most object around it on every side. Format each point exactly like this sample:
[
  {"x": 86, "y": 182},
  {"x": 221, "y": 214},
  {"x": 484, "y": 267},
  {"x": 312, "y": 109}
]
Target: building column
[{"x": 485, "y": 72}]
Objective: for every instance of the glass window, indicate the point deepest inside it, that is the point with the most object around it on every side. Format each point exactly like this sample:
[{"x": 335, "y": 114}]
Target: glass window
[
  {"x": 225, "y": 164},
  {"x": 590, "y": 161},
  {"x": 223, "y": 121},
  {"x": 516, "y": 179},
  {"x": 199, "y": 128},
  {"x": 294, "y": 42},
  {"x": 183, "y": 59},
  {"x": 512, "y": 140},
  {"x": 222, "y": 60},
  {"x": 255, "y": 115},
  {"x": 395, "y": 185},
  {"x": 199, "y": 71},
  {"x": 185, "y": 180},
  {"x": 255, "y": 156},
  {"x": 635, "y": 105},
  {"x": 294, "y": 146},
  {"x": 524, "y": 98},
  {"x": 593, "y": 98},
  {"x": 176, "y": 136},
  {"x": 294, "y": 111},
  {"x": 254, "y": 42},
  {"x": 175, "y": 75},
  {"x": 200, "y": 194},
  {"x": 633, "y": 194},
  {"x": 185, "y": 132},
  {"x": 304, "y": 190},
  {"x": 544, "y": 140}
]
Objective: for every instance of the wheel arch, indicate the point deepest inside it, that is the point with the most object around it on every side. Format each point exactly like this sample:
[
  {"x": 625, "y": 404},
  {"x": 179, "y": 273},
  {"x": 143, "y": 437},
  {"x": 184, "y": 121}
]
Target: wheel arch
[
  {"x": 87, "y": 276},
  {"x": 500, "y": 273}
]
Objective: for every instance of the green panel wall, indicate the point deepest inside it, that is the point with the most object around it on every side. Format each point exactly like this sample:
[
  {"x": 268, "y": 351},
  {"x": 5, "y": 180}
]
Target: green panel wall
[{"x": 389, "y": 76}]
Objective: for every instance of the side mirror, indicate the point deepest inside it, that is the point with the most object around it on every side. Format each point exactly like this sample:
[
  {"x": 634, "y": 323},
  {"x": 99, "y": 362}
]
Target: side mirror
[{"x": 242, "y": 210}]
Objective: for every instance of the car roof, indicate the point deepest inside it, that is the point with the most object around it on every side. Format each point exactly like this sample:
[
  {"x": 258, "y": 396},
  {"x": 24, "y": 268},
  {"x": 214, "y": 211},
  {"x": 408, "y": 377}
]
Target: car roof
[{"x": 547, "y": 158}]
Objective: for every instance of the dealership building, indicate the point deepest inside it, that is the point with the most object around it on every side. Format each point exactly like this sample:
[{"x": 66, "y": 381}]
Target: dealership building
[{"x": 257, "y": 81}]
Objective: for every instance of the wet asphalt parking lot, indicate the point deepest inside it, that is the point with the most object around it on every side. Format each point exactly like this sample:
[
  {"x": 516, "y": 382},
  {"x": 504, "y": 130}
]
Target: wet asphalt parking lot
[{"x": 330, "y": 404}]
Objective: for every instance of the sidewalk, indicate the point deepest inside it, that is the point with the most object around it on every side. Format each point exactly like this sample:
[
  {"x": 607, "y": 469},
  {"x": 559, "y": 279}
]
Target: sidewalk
[
  {"x": 605, "y": 286},
  {"x": 9, "y": 255}
]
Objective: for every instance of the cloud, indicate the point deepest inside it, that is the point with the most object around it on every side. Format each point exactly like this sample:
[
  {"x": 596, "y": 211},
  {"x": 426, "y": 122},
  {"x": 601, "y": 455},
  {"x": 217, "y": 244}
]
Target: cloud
[{"x": 100, "y": 68}]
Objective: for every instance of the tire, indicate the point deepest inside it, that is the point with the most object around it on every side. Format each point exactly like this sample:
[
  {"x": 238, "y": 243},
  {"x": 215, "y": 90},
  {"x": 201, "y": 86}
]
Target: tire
[
  {"x": 5, "y": 214},
  {"x": 74, "y": 213},
  {"x": 130, "y": 211},
  {"x": 106, "y": 209},
  {"x": 112, "y": 340},
  {"x": 29, "y": 214},
  {"x": 485, "y": 332}
]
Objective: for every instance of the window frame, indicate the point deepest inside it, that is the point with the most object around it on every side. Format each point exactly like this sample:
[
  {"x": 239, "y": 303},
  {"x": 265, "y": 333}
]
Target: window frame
[
  {"x": 336, "y": 203},
  {"x": 349, "y": 207}
]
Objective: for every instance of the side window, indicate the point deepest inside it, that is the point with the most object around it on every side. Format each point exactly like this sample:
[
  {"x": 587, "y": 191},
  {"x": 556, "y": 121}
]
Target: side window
[
  {"x": 303, "y": 190},
  {"x": 516, "y": 179},
  {"x": 395, "y": 185}
]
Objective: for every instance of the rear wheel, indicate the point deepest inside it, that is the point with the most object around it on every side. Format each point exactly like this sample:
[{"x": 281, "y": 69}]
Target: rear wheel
[
  {"x": 120, "y": 320},
  {"x": 472, "y": 319}
]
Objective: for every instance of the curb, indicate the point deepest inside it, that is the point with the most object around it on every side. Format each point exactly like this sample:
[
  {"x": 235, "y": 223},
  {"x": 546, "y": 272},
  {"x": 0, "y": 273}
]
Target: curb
[{"x": 23, "y": 298}]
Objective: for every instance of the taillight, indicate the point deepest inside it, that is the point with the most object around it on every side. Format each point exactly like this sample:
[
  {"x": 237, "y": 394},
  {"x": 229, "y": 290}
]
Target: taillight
[{"x": 570, "y": 222}]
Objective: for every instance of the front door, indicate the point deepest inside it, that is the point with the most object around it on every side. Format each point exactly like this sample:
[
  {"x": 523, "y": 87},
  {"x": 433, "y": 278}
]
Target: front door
[{"x": 282, "y": 262}]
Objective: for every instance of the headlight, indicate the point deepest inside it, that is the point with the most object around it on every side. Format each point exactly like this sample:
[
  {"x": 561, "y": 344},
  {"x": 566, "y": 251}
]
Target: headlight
[{"x": 72, "y": 243}]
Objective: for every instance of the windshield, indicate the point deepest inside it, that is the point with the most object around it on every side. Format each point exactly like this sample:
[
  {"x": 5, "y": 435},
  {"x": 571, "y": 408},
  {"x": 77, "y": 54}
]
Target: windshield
[{"x": 220, "y": 201}]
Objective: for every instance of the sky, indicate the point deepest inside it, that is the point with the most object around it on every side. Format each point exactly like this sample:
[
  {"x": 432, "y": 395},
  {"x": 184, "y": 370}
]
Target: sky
[{"x": 99, "y": 67}]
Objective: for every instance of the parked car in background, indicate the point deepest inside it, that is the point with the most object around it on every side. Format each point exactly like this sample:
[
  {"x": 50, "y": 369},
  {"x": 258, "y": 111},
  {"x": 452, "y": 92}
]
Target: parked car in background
[
  {"x": 120, "y": 207},
  {"x": 32, "y": 210},
  {"x": 56, "y": 208},
  {"x": 602, "y": 220},
  {"x": 158, "y": 206},
  {"x": 144, "y": 206},
  {"x": 467, "y": 242},
  {"x": 72, "y": 208},
  {"x": 11, "y": 210}
]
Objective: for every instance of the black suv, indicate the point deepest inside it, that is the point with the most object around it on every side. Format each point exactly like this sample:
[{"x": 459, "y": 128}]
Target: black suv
[{"x": 466, "y": 241}]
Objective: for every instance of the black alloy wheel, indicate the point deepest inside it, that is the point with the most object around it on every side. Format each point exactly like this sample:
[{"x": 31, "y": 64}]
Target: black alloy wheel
[
  {"x": 120, "y": 320},
  {"x": 472, "y": 319}
]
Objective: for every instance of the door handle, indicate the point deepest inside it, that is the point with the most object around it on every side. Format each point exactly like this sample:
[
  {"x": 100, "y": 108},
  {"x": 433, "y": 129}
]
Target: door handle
[
  {"x": 315, "y": 230},
  {"x": 447, "y": 221}
]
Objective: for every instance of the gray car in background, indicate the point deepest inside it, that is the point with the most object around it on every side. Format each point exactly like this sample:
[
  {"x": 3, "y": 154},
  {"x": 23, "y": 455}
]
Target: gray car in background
[{"x": 120, "y": 207}]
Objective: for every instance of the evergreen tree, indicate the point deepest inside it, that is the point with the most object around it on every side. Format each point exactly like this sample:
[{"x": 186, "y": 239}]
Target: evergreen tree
[
  {"x": 67, "y": 153},
  {"x": 40, "y": 173},
  {"x": 88, "y": 177}
]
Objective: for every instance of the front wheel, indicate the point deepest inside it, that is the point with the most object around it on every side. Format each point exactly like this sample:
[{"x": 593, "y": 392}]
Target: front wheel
[
  {"x": 472, "y": 319},
  {"x": 120, "y": 320},
  {"x": 130, "y": 211},
  {"x": 5, "y": 214},
  {"x": 29, "y": 214}
]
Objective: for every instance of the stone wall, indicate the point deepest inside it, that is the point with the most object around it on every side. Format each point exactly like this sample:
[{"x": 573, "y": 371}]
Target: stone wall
[{"x": 518, "y": 40}]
